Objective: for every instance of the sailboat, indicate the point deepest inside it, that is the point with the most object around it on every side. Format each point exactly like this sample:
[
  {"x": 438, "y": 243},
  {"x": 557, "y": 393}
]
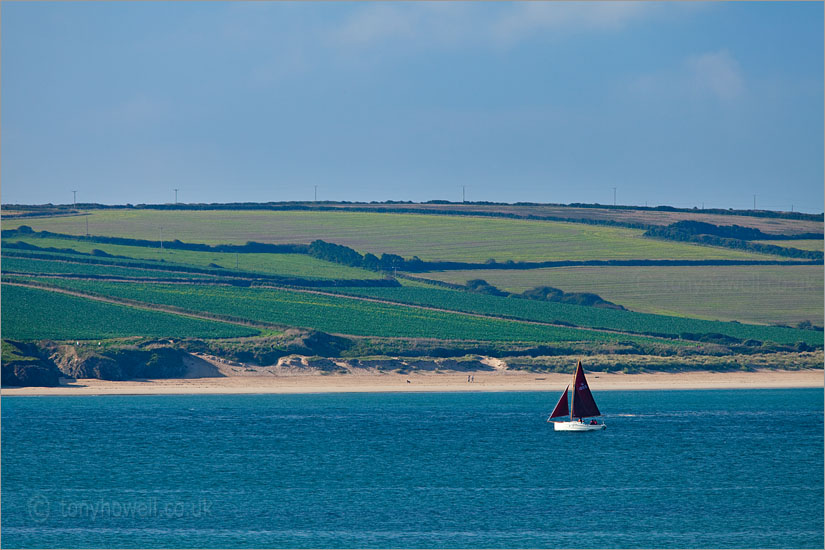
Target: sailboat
[{"x": 584, "y": 406}]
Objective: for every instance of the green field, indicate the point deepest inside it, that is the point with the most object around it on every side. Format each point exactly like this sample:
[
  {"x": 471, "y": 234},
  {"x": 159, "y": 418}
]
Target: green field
[
  {"x": 339, "y": 314},
  {"x": 139, "y": 267},
  {"x": 288, "y": 265},
  {"x": 34, "y": 314},
  {"x": 431, "y": 237},
  {"x": 584, "y": 316},
  {"x": 801, "y": 244},
  {"x": 38, "y": 266},
  {"x": 754, "y": 294}
]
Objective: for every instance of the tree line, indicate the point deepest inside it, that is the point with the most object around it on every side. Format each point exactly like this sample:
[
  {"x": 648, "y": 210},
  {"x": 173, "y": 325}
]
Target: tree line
[{"x": 736, "y": 237}]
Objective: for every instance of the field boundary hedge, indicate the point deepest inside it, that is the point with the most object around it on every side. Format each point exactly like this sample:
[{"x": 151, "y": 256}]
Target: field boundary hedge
[
  {"x": 80, "y": 257},
  {"x": 391, "y": 262},
  {"x": 250, "y": 247}
]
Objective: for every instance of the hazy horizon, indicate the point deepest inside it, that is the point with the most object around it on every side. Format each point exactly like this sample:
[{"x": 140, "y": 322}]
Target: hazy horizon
[
  {"x": 81, "y": 204},
  {"x": 679, "y": 104}
]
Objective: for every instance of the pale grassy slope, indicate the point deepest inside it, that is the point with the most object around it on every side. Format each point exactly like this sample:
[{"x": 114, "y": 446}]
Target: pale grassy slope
[{"x": 753, "y": 294}]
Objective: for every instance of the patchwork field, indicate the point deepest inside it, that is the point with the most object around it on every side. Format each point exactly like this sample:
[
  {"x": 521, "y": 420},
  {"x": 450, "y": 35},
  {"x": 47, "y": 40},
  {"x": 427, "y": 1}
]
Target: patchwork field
[
  {"x": 752, "y": 294},
  {"x": 33, "y": 314},
  {"x": 432, "y": 238}
]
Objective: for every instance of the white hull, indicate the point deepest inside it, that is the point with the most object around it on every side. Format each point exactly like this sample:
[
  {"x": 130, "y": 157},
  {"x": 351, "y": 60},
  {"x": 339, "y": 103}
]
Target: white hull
[{"x": 576, "y": 426}]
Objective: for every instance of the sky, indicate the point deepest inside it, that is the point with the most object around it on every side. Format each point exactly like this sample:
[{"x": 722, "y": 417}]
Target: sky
[{"x": 686, "y": 104}]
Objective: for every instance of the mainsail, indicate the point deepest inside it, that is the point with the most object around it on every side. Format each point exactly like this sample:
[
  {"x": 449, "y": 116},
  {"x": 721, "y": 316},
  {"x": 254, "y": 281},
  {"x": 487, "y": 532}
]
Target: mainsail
[
  {"x": 561, "y": 406},
  {"x": 583, "y": 403}
]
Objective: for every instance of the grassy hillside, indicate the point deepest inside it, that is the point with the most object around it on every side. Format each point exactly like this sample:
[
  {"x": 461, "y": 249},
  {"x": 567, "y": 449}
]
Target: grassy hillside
[
  {"x": 783, "y": 223},
  {"x": 754, "y": 294},
  {"x": 33, "y": 314},
  {"x": 768, "y": 224},
  {"x": 456, "y": 238}
]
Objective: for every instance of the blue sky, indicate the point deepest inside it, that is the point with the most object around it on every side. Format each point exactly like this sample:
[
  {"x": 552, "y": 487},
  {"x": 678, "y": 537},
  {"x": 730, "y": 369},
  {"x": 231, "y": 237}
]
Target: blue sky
[{"x": 671, "y": 103}]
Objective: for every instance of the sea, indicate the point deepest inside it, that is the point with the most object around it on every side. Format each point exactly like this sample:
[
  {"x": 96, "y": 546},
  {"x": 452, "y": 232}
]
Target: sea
[{"x": 673, "y": 469}]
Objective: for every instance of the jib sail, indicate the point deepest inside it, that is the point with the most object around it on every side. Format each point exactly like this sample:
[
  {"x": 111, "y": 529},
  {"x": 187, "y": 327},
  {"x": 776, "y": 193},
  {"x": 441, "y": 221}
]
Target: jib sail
[
  {"x": 561, "y": 407},
  {"x": 583, "y": 403}
]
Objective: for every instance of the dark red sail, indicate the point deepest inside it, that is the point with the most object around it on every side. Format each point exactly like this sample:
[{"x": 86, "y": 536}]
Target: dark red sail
[
  {"x": 561, "y": 407},
  {"x": 583, "y": 403}
]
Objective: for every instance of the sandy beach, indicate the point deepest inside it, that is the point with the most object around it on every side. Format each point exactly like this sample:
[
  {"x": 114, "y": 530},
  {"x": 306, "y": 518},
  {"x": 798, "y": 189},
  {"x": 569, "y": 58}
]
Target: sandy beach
[{"x": 431, "y": 382}]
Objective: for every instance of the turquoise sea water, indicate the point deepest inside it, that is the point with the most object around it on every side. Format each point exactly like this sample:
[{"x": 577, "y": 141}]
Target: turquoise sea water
[{"x": 723, "y": 469}]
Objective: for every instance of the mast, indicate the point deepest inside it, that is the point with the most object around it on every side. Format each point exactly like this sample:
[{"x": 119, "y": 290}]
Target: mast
[
  {"x": 583, "y": 403},
  {"x": 574, "y": 387}
]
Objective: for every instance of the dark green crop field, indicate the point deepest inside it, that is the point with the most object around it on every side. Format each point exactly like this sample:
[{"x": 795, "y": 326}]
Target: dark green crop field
[
  {"x": 585, "y": 316},
  {"x": 431, "y": 237},
  {"x": 340, "y": 314},
  {"x": 33, "y": 314}
]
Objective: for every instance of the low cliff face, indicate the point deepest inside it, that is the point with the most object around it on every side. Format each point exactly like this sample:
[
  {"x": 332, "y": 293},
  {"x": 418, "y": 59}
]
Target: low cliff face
[
  {"x": 24, "y": 365},
  {"x": 270, "y": 350},
  {"x": 119, "y": 364},
  {"x": 30, "y": 374}
]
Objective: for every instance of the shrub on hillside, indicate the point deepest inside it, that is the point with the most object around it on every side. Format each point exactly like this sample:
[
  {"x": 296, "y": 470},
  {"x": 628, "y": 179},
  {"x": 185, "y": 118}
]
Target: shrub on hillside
[
  {"x": 483, "y": 287},
  {"x": 551, "y": 294}
]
